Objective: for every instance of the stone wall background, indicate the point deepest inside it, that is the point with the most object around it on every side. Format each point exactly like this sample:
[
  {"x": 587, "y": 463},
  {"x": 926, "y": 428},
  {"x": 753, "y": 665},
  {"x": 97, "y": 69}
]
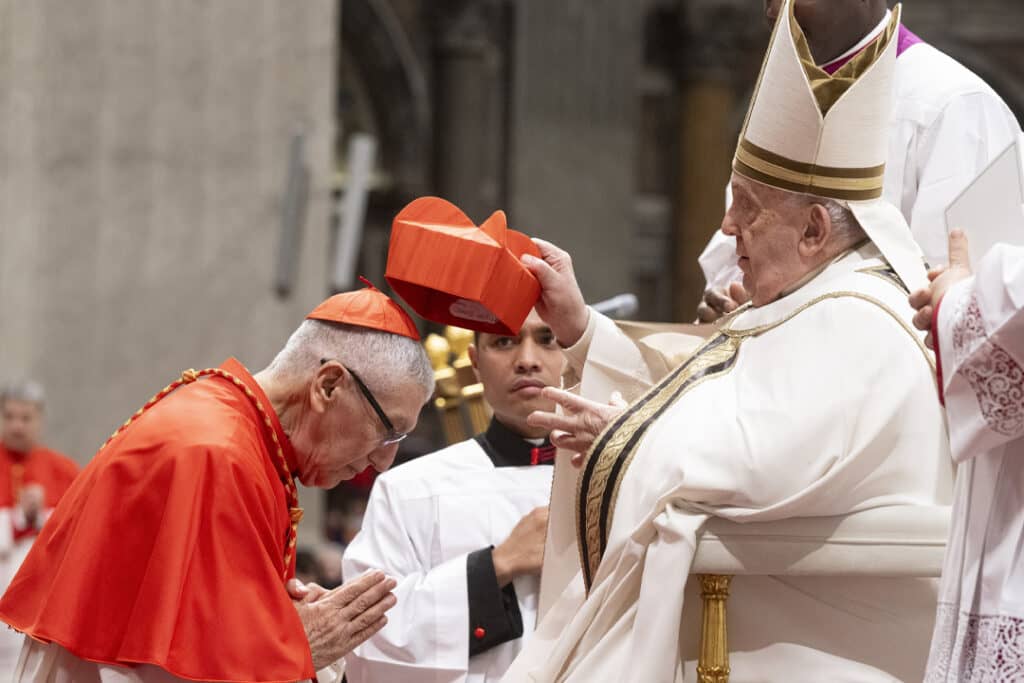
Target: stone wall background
[{"x": 143, "y": 163}]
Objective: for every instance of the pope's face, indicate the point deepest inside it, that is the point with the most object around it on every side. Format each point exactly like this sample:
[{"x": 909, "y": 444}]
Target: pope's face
[
  {"x": 767, "y": 227},
  {"x": 23, "y": 422},
  {"x": 514, "y": 370},
  {"x": 346, "y": 436}
]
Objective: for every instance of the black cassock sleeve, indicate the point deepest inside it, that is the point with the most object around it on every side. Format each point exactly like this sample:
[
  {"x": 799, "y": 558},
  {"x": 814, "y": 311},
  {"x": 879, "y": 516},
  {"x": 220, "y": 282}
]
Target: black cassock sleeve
[{"x": 494, "y": 616}]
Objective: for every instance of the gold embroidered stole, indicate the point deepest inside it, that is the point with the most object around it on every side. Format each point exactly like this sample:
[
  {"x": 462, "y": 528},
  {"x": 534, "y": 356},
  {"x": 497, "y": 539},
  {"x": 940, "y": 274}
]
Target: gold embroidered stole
[{"x": 613, "y": 451}]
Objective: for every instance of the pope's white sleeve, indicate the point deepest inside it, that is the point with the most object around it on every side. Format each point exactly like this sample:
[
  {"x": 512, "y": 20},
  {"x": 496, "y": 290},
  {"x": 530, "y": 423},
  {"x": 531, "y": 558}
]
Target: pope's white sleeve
[
  {"x": 608, "y": 360},
  {"x": 426, "y": 637},
  {"x": 980, "y": 332},
  {"x": 961, "y": 141}
]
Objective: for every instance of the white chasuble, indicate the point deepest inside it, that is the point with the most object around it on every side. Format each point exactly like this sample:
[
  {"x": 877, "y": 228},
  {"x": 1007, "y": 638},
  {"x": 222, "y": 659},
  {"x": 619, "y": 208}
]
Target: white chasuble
[
  {"x": 820, "y": 403},
  {"x": 424, "y": 519},
  {"x": 979, "y": 629}
]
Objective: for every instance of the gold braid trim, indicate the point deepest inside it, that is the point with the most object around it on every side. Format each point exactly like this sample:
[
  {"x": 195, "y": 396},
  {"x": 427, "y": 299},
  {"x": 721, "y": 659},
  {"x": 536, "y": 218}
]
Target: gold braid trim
[
  {"x": 754, "y": 331},
  {"x": 291, "y": 493},
  {"x": 617, "y": 445}
]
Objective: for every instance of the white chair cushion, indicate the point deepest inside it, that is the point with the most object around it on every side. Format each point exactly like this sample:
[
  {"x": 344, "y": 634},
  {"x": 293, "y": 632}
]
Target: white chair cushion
[{"x": 895, "y": 541}]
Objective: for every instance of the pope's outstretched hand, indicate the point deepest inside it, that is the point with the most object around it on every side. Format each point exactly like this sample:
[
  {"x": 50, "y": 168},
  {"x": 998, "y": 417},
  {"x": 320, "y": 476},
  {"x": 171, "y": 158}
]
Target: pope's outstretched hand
[
  {"x": 561, "y": 303},
  {"x": 339, "y": 620},
  {"x": 580, "y": 422}
]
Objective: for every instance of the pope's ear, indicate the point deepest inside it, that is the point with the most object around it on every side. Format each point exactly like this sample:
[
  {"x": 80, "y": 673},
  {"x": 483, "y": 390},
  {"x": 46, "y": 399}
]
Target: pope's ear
[{"x": 817, "y": 231}]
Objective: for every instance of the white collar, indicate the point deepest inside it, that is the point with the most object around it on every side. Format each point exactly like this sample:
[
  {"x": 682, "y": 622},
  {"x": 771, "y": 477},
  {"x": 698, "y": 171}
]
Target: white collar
[{"x": 872, "y": 34}]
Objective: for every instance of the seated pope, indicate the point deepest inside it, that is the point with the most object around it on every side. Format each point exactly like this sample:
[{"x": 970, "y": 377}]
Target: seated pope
[{"x": 815, "y": 399}]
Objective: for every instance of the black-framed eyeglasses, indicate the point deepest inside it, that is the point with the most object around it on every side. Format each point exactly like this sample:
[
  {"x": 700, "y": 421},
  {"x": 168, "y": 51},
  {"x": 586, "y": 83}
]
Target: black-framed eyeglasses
[{"x": 390, "y": 435}]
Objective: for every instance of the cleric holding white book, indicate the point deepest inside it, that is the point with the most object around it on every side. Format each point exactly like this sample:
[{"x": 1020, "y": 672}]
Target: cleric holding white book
[
  {"x": 976, "y": 325},
  {"x": 817, "y": 399}
]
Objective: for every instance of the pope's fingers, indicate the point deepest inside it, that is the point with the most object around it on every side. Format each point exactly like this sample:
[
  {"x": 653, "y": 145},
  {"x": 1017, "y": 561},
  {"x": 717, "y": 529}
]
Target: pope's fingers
[
  {"x": 557, "y": 434},
  {"x": 936, "y": 272},
  {"x": 568, "y": 424},
  {"x": 569, "y": 400},
  {"x": 551, "y": 253},
  {"x": 546, "y": 275}
]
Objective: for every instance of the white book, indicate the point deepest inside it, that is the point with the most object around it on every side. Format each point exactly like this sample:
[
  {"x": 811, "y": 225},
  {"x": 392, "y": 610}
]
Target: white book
[{"x": 991, "y": 208}]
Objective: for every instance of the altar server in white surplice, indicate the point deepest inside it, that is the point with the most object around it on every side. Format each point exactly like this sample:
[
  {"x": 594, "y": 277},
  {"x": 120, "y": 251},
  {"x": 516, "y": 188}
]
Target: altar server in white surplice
[
  {"x": 462, "y": 530},
  {"x": 946, "y": 125},
  {"x": 978, "y": 334},
  {"x": 817, "y": 399}
]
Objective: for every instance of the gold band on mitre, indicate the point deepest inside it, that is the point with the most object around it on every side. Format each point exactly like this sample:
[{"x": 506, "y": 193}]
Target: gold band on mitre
[
  {"x": 814, "y": 105},
  {"x": 852, "y": 184}
]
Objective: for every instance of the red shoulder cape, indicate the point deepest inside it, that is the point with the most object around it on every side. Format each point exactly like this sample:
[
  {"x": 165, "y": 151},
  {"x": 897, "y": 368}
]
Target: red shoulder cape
[{"x": 169, "y": 547}]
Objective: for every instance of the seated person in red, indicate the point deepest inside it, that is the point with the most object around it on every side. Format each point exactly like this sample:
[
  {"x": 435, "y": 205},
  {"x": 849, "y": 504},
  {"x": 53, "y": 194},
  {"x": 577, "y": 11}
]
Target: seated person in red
[{"x": 32, "y": 477}]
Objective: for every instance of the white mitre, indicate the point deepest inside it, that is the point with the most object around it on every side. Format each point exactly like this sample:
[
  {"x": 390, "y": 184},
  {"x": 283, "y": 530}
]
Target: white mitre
[{"x": 810, "y": 132}]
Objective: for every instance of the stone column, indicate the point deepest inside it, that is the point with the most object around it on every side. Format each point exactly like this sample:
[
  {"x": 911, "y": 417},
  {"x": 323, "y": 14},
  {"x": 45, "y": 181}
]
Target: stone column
[{"x": 721, "y": 43}]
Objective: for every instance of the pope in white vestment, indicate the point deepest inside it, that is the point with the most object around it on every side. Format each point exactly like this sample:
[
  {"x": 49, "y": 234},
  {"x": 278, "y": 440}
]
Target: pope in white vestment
[
  {"x": 817, "y": 399},
  {"x": 946, "y": 126},
  {"x": 979, "y": 335},
  {"x": 821, "y": 403}
]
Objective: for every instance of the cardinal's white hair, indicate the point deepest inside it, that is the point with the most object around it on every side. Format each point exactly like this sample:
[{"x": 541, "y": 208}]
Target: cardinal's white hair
[{"x": 386, "y": 362}]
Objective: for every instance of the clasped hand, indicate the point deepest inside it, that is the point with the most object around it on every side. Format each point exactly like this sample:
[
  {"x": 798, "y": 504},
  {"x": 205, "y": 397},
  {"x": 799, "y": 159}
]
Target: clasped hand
[{"x": 337, "y": 621}]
